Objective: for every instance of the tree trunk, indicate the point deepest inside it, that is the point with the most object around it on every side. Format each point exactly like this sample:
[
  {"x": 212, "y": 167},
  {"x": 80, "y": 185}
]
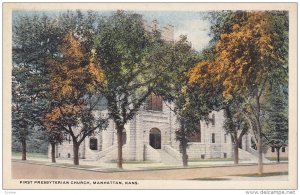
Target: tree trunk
[
  {"x": 23, "y": 149},
  {"x": 236, "y": 152},
  {"x": 259, "y": 133},
  {"x": 184, "y": 154},
  {"x": 53, "y": 152},
  {"x": 237, "y": 142},
  {"x": 120, "y": 144},
  {"x": 183, "y": 143},
  {"x": 278, "y": 155},
  {"x": 260, "y": 155},
  {"x": 75, "y": 153}
]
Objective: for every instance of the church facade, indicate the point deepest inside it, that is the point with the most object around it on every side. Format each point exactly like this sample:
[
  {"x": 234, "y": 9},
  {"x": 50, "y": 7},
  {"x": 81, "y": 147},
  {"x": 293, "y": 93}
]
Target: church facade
[{"x": 150, "y": 136}]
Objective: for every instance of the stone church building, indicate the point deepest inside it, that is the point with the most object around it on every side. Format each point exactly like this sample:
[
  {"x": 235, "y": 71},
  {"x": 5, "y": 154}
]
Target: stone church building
[{"x": 150, "y": 135}]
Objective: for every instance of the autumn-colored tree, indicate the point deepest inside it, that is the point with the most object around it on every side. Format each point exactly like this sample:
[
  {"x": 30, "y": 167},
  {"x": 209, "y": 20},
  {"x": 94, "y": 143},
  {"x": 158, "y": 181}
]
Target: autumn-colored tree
[
  {"x": 251, "y": 57},
  {"x": 205, "y": 79},
  {"x": 250, "y": 60},
  {"x": 74, "y": 81},
  {"x": 36, "y": 39}
]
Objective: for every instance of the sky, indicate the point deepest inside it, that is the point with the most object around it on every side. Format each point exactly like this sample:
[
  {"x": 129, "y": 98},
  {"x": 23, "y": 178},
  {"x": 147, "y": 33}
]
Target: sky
[
  {"x": 188, "y": 23},
  {"x": 191, "y": 24}
]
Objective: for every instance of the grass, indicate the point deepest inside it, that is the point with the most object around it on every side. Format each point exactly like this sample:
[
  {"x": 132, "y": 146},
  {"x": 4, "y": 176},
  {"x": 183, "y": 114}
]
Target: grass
[
  {"x": 72, "y": 165},
  {"x": 242, "y": 175},
  {"x": 133, "y": 162},
  {"x": 30, "y": 155},
  {"x": 263, "y": 175},
  {"x": 57, "y": 164},
  {"x": 210, "y": 179},
  {"x": 275, "y": 158},
  {"x": 209, "y": 159}
]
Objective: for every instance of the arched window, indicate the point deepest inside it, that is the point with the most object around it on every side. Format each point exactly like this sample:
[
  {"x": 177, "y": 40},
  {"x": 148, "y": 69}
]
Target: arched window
[
  {"x": 213, "y": 120},
  {"x": 93, "y": 143},
  {"x": 273, "y": 149},
  {"x": 154, "y": 103},
  {"x": 213, "y": 138}
]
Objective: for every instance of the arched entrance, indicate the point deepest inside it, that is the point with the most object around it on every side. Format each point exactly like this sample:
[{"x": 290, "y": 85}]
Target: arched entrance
[{"x": 155, "y": 138}]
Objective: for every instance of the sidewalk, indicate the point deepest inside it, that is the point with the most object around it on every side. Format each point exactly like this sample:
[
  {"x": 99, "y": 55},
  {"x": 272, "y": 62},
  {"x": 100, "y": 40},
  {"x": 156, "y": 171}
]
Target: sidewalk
[
  {"x": 31, "y": 170},
  {"x": 129, "y": 166}
]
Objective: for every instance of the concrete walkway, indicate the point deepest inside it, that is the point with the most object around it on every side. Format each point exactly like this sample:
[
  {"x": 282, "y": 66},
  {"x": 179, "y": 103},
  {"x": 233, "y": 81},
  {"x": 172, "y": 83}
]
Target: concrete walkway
[
  {"x": 33, "y": 170},
  {"x": 267, "y": 178},
  {"x": 101, "y": 166}
]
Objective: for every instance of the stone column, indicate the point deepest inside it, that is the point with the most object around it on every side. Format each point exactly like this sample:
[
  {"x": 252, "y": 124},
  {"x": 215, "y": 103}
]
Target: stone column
[
  {"x": 107, "y": 135},
  {"x": 139, "y": 136},
  {"x": 131, "y": 134}
]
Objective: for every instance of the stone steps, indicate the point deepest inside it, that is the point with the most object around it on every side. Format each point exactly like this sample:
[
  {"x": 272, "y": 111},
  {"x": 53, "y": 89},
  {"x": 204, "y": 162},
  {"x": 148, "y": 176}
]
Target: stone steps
[
  {"x": 167, "y": 159},
  {"x": 245, "y": 155}
]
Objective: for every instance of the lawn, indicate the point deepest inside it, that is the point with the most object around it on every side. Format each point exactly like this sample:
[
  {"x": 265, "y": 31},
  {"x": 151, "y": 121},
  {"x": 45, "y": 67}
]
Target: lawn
[
  {"x": 275, "y": 158},
  {"x": 72, "y": 165},
  {"x": 211, "y": 179},
  {"x": 242, "y": 175},
  {"x": 209, "y": 159},
  {"x": 133, "y": 162},
  {"x": 29, "y": 155},
  {"x": 263, "y": 175}
]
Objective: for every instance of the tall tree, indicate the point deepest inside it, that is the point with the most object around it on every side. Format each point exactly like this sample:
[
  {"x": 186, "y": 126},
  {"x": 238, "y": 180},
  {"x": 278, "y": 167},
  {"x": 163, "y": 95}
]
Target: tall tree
[
  {"x": 55, "y": 136},
  {"x": 34, "y": 41},
  {"x": 204, "y": 78},
  {"x": 123, "y": 50},
  {"x": 251, "y": 57},
  {"x": 236, "y": 126},
  {"x": 188, "y": 115},
  {"x": 21, "y": 115},
  {"x": 74, "y": 82},
  {"x": 179, "y": 58},
  {"x": 277, "y": 120}
]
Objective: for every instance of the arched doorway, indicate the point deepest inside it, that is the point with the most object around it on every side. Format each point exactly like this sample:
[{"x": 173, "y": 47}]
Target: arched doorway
[{"x": 155, "y": 138}]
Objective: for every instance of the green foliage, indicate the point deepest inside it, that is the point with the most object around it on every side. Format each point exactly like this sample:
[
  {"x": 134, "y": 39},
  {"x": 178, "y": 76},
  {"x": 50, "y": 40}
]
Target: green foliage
[
  {"x": 277, "y": 118},
  {"x": 123, "y": 49},
  {"x": 36, "y": 40},
  {"x": 32, "y": 45}
]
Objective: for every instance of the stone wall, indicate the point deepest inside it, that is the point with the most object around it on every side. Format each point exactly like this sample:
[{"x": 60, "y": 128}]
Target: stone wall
[
  {"x": 284, "y": 154},
  {"x": 137, "y": 138}
]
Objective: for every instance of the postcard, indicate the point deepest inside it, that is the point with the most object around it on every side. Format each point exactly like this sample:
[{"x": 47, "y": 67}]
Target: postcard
[{"x": 150, "y": 96}]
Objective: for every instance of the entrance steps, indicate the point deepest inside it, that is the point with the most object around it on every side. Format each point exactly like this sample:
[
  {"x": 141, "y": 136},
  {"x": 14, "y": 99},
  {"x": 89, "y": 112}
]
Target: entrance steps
[
  {"x": 167, "y": 159},
  {"x": 245, "y": 155}
]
